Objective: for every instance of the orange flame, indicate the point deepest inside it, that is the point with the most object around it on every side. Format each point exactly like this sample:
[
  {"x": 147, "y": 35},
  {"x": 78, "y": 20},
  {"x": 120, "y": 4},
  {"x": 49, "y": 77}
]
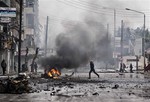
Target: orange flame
[{"x": 54, "y": 73}]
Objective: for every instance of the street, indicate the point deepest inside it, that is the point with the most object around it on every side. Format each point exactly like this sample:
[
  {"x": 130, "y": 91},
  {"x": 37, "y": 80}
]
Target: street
[
  {"x": 74, "y": 51},
  {"x": 110, "y": 87}
]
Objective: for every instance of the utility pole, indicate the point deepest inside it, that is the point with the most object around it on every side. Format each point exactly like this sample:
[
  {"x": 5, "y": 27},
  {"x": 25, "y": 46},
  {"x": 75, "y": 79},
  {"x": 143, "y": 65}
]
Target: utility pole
[
  {"x": 114, "y": 31},
  {"x": 107, "y": 31},
  {"x": 144, "y": 43},
  {"x": 143, "y": 40},
  {"x": 20, "y": 31},
  {"x": 137, "y": 59},
  {"x": 46, "y": 35},
  {"x": 107, "y": 42},
  {"x": 121, "y": 43},
  {"x": 113, "y": 40},
  {"x": 114, "y": 50}
]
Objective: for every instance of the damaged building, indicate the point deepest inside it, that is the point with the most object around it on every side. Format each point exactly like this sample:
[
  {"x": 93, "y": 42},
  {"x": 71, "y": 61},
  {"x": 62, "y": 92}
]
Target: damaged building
[{"x": 9, "y": 31}]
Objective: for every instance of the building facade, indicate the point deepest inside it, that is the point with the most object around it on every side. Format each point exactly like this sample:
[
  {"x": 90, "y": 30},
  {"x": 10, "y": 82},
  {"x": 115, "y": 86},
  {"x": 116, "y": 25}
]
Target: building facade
[
  {"x": 9, "y": 18},
  {"x": 9, "y": 30},
  {"x": 31, "y": 29}
]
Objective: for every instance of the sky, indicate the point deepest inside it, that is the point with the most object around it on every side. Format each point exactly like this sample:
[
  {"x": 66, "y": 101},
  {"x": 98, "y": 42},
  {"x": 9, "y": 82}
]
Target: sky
[{"x": 65, "y": 13}]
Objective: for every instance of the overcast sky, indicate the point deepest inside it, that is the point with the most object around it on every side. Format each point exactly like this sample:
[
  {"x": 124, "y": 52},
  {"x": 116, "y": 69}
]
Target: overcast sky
[{"x": 61, "y": 12}]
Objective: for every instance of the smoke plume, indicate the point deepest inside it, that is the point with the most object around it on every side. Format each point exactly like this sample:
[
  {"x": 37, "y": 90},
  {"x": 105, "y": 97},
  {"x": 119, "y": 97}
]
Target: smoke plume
[{"x": 81, "y": 43}]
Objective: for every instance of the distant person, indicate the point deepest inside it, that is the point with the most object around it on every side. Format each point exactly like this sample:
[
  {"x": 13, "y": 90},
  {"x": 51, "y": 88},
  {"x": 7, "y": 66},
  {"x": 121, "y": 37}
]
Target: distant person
[
  {"x": 124, "y": 66},
  {"x": 35, "y": 66},
  {"x": 24, "y": 67},
  {"x": 92, "y": 69},
  {"x": 32, "y": 67},
  {"x": 121, "y": 68},
  {"x": 3, "y": 65},
  {"x": 15, "y": 67},
  {"x": 131, "y": 68}
]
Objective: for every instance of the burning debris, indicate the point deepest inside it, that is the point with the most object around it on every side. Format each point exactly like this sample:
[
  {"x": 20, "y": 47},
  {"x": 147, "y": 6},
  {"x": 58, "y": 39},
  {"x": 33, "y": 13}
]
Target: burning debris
[
  {"x": 54, "y": 73},
  {"x": 51, "y": 73}
]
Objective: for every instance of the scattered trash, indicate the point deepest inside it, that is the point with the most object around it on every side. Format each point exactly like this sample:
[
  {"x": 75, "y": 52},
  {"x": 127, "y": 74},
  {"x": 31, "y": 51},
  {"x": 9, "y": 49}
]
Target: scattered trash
[
  {"x": 53, "y": 93},
  {"x": 116, "y": 86},
  {"x": 102, "y": 87},
  {"x": 95, "y": 93}
]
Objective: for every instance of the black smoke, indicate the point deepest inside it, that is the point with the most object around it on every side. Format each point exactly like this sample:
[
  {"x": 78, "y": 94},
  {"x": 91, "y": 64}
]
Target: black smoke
[{"x": 80, "y": 44}]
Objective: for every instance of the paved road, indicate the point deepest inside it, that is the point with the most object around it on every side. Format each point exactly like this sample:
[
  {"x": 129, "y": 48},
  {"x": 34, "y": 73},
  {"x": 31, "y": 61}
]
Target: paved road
[{"x": 110, "y": 87}]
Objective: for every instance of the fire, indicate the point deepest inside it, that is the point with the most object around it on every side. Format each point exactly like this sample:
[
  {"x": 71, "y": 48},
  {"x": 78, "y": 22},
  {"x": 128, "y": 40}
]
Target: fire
[{"x": 54, "y": 73}]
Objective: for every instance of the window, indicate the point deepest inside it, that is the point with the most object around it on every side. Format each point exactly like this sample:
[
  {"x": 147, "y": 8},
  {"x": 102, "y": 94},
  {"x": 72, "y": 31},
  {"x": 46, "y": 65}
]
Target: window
[
  {"x": 29, "y": 3},
  {"x": 30, "y": 20}
]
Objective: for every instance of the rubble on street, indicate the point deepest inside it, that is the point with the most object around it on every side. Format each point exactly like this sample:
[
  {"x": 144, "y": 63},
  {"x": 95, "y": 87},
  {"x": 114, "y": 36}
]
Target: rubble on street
[
  {"x": 15, "y": 85},
  {"x": 76, "y": 86}
]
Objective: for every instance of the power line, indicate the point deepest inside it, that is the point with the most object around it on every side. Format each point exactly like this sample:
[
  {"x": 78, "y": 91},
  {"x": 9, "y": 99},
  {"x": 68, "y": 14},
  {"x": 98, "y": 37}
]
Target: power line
[
  {"x": 87, "y": 5},
  {"x": 59, "y": 19},
  {"x": 87, "y": 9},
  {"x": 147, "y": 10},
  {"x": 102, "y": 7},
  {"x": 138, "y": 20},
  {"x": 82, "y": 8}
]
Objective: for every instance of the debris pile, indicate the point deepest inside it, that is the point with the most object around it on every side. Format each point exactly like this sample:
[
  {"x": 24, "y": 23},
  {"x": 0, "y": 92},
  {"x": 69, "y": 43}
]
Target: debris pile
[
  {"x": 116, "y": 86},
  {"x": 17, "y": 85}
]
